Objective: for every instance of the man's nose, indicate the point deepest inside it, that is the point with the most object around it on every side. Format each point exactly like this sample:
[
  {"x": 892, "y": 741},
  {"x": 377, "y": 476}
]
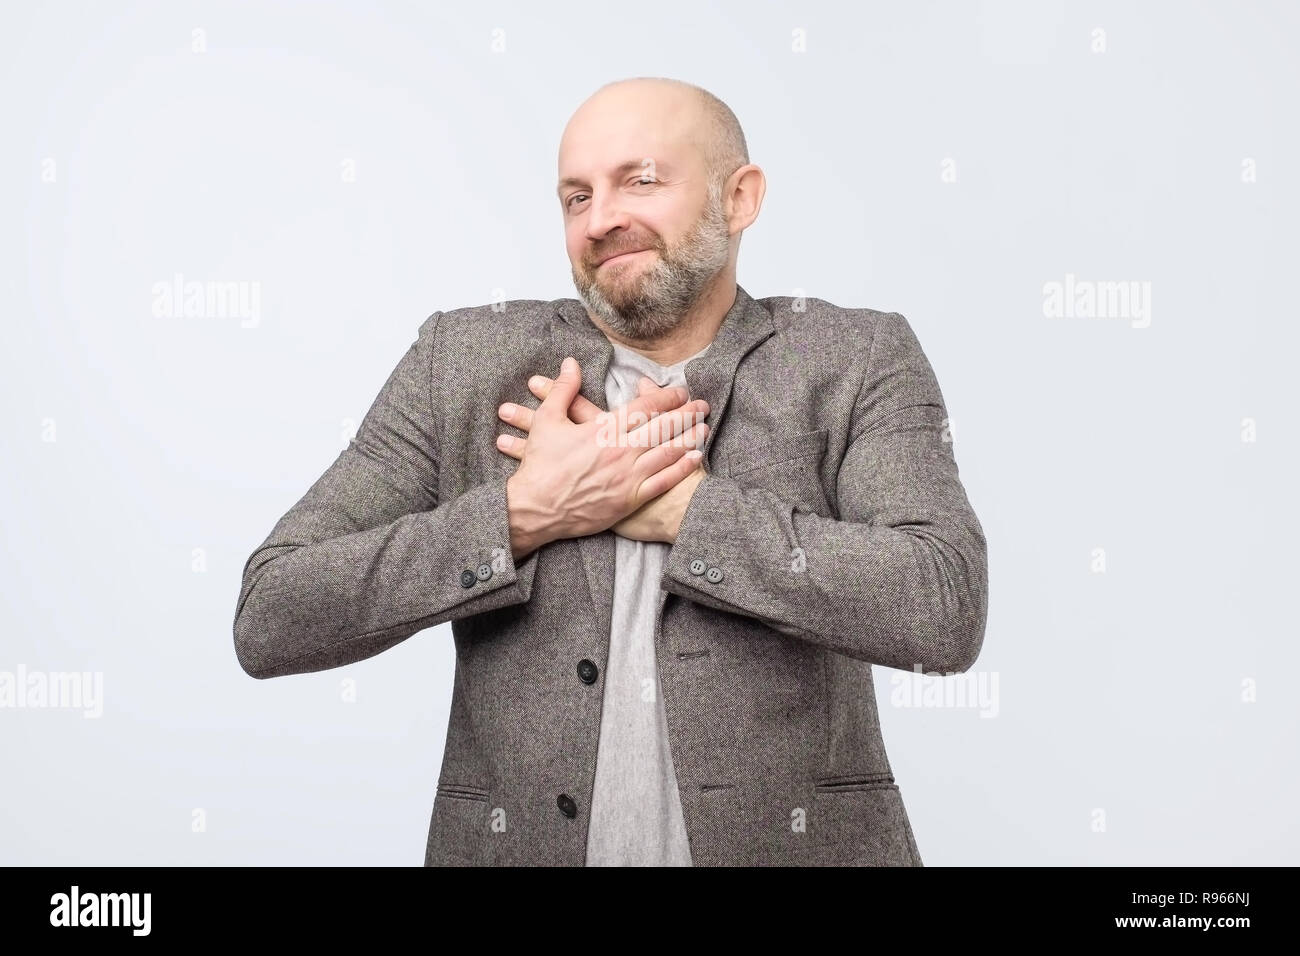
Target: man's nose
[{"x": 603, "y": 215}]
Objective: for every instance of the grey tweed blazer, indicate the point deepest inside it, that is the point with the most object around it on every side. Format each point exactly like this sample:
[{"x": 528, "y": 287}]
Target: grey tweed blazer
[{"x": 830, "y": 533}]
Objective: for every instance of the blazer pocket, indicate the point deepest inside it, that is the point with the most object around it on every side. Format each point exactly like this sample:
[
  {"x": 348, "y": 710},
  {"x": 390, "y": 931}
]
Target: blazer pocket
[
  {"x": 458, "y": 830},
  {"x": 849, "y": 783},
  {"x": 462, "y": 792},
  {"x": 858, "y": 819},
  {"x": 778, "y": 450}
]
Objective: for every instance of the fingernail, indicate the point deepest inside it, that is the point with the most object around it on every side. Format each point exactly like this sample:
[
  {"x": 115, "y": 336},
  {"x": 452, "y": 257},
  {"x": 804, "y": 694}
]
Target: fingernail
[
  {"x": 694, "y": 454},
  {"x": 567, "y": 364},
  {"x": 507, "y": 409}
]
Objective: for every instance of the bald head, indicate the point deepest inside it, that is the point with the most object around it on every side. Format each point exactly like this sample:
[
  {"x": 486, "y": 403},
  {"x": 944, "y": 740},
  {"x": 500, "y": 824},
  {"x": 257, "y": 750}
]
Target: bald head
[
  {"x": 708, "y": 124},
  {"x": 655, "y": 186}
]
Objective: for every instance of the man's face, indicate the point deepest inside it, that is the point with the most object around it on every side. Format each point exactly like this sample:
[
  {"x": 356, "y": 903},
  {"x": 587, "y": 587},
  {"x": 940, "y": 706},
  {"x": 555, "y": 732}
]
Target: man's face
[{"x": 642, "y": 199}]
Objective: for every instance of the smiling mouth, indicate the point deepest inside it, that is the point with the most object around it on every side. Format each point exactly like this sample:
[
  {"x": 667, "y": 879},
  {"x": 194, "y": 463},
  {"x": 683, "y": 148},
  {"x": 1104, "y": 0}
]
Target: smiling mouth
[{"x": 622, "y": 256}]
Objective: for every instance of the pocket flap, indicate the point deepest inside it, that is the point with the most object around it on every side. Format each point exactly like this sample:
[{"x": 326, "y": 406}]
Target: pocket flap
[{"x": 777, "y": 450}]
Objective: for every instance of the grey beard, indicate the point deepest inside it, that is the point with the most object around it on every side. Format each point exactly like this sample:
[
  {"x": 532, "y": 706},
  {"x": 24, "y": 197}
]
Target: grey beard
[{"x": 666, "y": 292}]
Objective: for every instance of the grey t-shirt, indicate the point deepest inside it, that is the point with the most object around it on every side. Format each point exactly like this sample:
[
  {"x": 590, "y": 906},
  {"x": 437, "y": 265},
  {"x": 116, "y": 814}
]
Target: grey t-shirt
[{"x": 636, "y": 812}]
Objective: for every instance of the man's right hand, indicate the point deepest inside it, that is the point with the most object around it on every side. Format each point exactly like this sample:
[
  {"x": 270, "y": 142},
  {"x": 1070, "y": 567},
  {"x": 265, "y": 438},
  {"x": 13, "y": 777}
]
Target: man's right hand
[{"x": 580, "y": 478}]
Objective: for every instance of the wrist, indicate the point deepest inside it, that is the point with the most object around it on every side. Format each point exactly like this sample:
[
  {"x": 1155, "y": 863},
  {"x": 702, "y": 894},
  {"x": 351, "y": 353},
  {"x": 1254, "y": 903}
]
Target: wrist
[
  {"x": 673, "y": 524},
  {"x": 529, "y": 524}
]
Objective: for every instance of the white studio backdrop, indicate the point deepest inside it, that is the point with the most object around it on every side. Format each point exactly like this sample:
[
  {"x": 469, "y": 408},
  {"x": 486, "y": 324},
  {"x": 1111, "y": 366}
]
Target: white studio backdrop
[{"x": 1086, "y": 211}]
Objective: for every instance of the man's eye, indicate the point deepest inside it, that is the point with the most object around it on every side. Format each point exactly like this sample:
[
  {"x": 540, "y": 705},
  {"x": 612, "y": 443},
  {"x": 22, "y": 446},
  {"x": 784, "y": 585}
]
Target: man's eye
[{"x": 642, "y": 181}]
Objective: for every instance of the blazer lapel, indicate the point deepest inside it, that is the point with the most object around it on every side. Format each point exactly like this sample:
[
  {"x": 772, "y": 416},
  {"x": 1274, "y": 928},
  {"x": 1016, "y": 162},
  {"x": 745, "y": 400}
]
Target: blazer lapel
[{"x": 711, "y": 376}]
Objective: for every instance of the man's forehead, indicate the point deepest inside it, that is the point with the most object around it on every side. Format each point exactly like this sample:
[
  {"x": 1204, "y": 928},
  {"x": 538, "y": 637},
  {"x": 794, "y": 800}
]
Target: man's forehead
[
  {"x": 605, "y": 134},
  {"x": 627, "y": 138}
]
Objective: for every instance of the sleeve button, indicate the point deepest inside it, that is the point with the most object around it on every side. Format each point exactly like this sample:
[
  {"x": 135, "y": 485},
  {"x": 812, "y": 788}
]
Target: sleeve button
[
  {"x": 714, "y": 575},
  {"x": 468, "y": 578}
]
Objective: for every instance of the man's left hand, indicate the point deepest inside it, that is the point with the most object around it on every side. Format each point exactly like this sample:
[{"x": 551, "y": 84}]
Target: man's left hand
[{"x": 659, "y": 518}]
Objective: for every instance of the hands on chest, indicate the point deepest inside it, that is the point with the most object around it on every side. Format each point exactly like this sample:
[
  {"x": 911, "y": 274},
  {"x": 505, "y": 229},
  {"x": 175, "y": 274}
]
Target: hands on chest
[{"x": 584, "y": 470}]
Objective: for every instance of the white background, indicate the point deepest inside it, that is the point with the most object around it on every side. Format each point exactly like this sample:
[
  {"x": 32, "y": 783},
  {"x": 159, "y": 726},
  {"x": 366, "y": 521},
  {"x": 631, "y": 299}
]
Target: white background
[{"x": 1120, "y": 692}]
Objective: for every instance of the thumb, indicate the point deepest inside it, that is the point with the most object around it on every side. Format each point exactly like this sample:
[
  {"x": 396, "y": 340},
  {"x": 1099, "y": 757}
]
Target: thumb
[{"x": 564, "y": 388}]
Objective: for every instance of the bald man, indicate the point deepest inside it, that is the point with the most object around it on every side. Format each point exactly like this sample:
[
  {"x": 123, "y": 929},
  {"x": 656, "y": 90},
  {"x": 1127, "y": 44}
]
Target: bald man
[
  {"x": 654, "y": 262},
  {"x": 698, "y": 520}
]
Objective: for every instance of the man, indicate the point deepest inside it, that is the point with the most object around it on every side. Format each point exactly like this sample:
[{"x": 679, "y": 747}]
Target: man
[{"x": 663, "y": 651}]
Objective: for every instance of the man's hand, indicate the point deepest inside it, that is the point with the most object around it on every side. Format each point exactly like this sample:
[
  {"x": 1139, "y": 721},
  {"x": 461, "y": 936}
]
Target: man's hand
[
  {"x": 660, "y": 517},
  {"x": 581, "y": 477}
]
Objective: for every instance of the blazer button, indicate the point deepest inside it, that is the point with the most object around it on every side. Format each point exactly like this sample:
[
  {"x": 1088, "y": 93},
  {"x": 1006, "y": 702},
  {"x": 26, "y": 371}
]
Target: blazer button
[
  {"x": 697, "y": 566},
  {"x": 566, "y": 805},
  {"x": 484, "y": 572},
  {"x": 714, "y": 575},
  {"x": 588, "y": 671},
  {"x": 468, "y": 578}
]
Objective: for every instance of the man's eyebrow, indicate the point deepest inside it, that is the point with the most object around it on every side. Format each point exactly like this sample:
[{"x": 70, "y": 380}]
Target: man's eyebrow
[{"x": 626, "y": 167}]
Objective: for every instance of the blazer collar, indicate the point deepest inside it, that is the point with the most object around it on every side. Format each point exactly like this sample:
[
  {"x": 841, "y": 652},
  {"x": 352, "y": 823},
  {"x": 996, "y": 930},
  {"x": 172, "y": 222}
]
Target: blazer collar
[{"x": 709, "y": 376}]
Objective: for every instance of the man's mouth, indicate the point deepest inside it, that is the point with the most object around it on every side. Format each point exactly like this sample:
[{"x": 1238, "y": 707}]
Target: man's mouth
[{"x": 623, "y": 256}]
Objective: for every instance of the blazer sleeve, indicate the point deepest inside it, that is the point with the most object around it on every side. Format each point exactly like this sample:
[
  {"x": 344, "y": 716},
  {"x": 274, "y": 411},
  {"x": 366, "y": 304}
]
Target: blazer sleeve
[
  {"x": 899, "y": 579},
  {"x": 369, "y": 556}
]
